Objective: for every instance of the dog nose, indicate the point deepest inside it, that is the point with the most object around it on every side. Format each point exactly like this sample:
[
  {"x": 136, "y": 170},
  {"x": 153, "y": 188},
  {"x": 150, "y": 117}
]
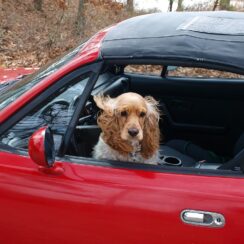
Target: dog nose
[{"x": 133, "y": 131}]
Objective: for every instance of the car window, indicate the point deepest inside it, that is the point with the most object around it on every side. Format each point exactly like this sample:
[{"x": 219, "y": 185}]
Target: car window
[
  {"x": 56, "y": 113},
  {"x": 144, "y": 69},
  {"x": 201, "y": 73},
  {"x": 178, "y": 71},
  {"x": 19, "y": 87}
]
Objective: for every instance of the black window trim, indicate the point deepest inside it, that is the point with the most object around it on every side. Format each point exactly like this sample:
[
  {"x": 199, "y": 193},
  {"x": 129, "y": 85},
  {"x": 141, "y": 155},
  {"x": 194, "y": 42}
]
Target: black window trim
[
  {"x": 134, "y": 166},
  {"x": 150, "y": 168},
  {"x": 79, "y": 108},
  {"x": 183, "y": 62}
]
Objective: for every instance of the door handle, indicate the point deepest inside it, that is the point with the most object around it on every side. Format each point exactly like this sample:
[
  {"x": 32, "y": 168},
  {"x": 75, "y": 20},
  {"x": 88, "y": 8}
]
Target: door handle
[{"x": 202, "y": 218}]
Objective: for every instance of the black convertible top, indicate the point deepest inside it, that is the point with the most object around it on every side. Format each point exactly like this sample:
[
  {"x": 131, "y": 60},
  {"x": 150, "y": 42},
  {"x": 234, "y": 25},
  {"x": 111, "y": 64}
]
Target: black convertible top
[{"x": 199, "y": 37}]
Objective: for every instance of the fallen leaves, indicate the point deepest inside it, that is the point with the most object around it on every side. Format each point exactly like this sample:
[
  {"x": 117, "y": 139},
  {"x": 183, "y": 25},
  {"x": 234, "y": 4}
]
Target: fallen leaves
[{"x": 30, "y": 38}]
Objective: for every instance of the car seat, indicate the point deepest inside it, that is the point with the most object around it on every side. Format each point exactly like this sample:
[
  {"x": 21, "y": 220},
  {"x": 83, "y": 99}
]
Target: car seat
[{"x": 190, "y": 154}]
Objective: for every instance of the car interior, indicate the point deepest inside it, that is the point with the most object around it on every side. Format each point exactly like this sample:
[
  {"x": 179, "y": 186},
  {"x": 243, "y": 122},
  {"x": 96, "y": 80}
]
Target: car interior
[{"x": 201, "y": 122}]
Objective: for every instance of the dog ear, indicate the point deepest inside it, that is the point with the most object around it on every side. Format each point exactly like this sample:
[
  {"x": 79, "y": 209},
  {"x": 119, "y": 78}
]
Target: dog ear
[
  {"x": 151, "y": 132},
  {"x": 105, "y": 103},
  {"x": 108, "y": 122}
]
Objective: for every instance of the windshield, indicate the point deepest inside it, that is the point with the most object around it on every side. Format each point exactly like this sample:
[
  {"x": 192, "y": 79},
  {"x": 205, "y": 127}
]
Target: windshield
[{"x": 12, "y": 92}]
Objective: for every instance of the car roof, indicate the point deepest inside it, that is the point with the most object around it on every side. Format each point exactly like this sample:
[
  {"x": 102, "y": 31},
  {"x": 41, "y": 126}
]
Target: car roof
[{"x": 200, "y": 37}]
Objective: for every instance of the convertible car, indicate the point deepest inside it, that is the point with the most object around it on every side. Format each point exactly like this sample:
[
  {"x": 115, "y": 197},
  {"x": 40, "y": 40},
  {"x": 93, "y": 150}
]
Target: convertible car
[{"x": 53, "y": 191}]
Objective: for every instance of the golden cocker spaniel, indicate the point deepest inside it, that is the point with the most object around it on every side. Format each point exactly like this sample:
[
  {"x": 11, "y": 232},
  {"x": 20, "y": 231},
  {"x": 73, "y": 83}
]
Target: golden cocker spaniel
[{"x": 130, "y": 128}]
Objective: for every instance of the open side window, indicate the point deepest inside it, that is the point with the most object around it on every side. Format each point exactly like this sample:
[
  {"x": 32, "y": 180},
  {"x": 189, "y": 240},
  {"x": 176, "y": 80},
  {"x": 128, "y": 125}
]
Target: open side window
[{"x": 55, "y": 112}]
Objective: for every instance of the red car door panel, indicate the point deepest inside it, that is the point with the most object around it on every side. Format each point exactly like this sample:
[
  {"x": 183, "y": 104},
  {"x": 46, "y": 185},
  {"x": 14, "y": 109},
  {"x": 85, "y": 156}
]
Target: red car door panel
[{"x": 97, "y": 204}]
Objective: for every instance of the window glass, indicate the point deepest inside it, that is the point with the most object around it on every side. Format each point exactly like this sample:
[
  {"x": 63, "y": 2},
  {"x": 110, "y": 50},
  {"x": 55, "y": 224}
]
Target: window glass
[
  {"x": 18, "y": 87},
  {"x": 144, "y": 69},
  {"x": 181, "y": 71},
  {"x": 201, "y": 73},
  {"x": 56, "y": 113}
]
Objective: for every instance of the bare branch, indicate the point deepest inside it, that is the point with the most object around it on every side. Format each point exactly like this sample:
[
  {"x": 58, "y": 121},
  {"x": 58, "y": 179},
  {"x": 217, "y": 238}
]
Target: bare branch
[{"x": 216, "y": 5}]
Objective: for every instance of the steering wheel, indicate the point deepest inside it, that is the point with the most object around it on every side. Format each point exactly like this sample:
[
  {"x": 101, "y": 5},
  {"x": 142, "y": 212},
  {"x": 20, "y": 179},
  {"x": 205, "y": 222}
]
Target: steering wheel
[
  {"x": 55, "y": 111},
  {"x": 89, "y": 115}
]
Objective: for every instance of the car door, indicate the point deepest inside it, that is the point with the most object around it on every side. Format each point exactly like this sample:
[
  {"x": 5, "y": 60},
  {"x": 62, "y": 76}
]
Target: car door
[
  {"x": 92, "y": 201},
  {"x": 101, "y": 202}
]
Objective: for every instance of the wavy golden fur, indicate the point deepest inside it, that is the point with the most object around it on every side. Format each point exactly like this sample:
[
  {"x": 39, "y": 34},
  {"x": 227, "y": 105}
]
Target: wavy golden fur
[{"x": 129, "y": 119}]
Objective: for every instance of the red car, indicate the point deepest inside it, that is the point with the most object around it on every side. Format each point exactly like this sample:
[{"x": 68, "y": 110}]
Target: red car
[{"x": 53, "y": 191}]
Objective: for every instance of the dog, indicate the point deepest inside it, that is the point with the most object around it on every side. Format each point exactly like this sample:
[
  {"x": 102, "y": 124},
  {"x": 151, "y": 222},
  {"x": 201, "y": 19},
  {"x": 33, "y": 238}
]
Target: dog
[{"x": 130, "y": 128}]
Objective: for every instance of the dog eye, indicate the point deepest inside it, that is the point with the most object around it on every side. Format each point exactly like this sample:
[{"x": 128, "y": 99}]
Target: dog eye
[
  {"x": 123, "y": 113},
  {"x": 142, "y": 114}
]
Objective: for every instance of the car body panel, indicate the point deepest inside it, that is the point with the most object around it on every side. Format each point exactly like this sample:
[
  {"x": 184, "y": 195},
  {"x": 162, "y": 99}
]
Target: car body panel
[
  {"x": 9, "y": 74},
  {"x": 95, "y": 204}
]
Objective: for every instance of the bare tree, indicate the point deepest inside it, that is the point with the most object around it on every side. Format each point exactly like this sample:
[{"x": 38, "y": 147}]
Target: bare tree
[
  {"x": 180, "y": 6},
  {"x": 130, "y": 5},
  {"x": 216, "y": 5},
  {"x": 171, "y": 5},
  {"x": 38, "y": 4},
  {"x": 80, "y": 20}
]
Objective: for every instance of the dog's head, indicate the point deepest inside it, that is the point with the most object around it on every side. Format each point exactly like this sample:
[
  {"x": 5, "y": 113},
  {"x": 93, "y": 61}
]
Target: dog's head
[{"x": 127, "y": 119}]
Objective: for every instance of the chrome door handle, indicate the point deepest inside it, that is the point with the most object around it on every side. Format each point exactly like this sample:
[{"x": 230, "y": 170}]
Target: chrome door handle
[{"x": 202, "y": 218}]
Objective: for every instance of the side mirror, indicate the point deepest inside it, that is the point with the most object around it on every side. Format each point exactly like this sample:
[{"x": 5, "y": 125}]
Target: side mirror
[{"x": 41, "y": 147}]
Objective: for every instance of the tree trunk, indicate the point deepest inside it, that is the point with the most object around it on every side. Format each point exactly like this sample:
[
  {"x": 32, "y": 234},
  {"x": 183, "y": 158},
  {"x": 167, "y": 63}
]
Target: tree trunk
[
  {"x": 216, "y": 5},
  {"x": 171, "y": 5},
  {"x": 38, "y": 5},
  {"x": 130, "y": 5},
  {"x": 180, "y": 7},
  {"x": 80, "y": 20}
]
